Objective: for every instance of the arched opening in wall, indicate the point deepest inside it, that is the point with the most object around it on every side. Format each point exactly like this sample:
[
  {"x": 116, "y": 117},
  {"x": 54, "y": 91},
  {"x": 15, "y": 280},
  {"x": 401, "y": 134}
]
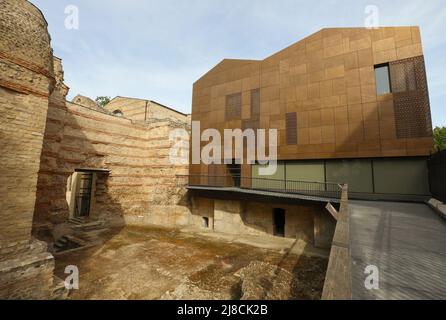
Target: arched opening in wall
[
  {"x": 118, "y": 113},
  {"x": 80, "y": 194}
]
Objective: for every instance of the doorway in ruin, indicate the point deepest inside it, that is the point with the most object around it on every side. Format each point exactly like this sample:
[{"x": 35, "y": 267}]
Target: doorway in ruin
[
  {"x": 80, "y": 194},
  {"x": 279, "y": 222},
  {"x": 83, "y": 196}
]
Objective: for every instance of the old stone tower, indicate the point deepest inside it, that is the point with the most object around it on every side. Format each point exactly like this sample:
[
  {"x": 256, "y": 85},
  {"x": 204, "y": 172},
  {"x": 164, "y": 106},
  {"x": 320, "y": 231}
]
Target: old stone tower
[{"x": 26, "y": 83}]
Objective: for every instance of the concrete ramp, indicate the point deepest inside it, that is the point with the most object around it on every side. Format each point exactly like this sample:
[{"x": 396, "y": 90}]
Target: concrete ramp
[{"x": 406, "y": 241}]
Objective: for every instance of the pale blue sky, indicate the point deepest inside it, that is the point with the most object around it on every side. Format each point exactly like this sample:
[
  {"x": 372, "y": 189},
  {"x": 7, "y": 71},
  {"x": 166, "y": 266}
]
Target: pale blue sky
[{"x": 157, "y": 49}]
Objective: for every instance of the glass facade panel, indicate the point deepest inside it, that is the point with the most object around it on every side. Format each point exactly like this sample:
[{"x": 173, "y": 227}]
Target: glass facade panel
[
  {"x": 311, "y": 171},
  {"x": 357, "y": 173},
  {"x": 382, "y": 80},
  {"x": 275, "y": 181},
  {"x": 401, "y": 176}
]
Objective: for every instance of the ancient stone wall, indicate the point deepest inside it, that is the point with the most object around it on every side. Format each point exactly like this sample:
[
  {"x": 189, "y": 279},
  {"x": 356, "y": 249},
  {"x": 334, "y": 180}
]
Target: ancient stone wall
[
  {"x": 26, "y": 81},
  {"x": 158, "y": 111},
  {"x": 312, "y": 224},
  {"x": 27, "y": 275},
  {"x": 144, "y": 110},
  {"x": 25, "y": 40},
  {"x": 168, "y": 204},
  {"x": 87, "y": 102},
  {"x": 141, "y": 185}
]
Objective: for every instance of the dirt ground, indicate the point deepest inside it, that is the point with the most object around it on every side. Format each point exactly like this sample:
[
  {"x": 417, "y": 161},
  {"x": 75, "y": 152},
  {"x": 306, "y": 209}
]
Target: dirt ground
[{"x": 156, "y": 263}]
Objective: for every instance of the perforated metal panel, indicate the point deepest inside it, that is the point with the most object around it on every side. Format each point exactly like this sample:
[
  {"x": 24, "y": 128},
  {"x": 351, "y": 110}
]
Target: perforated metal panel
[
  {"x": 233, "y": 106},
  {"x": 291, "y": 128},
  {"x": 411, "y": 98}
]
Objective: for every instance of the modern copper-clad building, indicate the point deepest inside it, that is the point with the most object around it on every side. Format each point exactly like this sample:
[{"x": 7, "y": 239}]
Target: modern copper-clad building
[{"x": 350, "y": 105}]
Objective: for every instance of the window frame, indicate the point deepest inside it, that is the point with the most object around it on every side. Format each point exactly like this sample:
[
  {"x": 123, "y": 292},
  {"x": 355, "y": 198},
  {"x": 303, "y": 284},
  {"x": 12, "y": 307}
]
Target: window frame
[{"x": 378, "y": 66}]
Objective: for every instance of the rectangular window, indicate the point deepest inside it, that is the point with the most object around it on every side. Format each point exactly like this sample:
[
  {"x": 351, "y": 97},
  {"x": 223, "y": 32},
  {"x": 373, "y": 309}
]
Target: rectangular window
[
  {"x": 291, "y": 128},
  {"x": 382, "y": 77},
  {"x": 233, "y": 106},
  {"x": 255, "y": 104}
]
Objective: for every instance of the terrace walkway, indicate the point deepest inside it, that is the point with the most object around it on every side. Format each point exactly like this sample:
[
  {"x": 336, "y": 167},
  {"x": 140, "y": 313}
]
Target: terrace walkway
[
  {"x": 406, "y": 241},
  {"x": 312, "y": 196}
]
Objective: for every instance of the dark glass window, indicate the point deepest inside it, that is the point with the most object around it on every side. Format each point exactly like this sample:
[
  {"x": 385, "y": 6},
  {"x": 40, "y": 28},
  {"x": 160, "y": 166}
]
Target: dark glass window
[{"x": 382, "y": 79}]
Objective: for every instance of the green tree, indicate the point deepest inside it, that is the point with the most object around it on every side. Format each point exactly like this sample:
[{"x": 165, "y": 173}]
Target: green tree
[
  {"x": 102, "y": 101},
  {"x": 440, "y": 138}
]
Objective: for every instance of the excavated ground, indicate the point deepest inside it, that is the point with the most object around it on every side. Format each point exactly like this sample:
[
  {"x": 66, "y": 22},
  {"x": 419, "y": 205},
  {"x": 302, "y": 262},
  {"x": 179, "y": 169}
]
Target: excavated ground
[{"x": 157, "y": 263}]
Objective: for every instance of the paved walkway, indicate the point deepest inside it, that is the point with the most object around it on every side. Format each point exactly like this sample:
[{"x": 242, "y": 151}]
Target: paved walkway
[{"x": 406, "y": 241}]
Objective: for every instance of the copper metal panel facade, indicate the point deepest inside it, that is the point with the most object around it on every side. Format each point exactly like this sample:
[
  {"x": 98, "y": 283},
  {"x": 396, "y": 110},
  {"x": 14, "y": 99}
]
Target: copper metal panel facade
[
  {"x": 250, "y": 124},
  {"x": 411, "y": 98},
  {"x": 254, "y": 120},
  {"x": 328, "y": 81}
]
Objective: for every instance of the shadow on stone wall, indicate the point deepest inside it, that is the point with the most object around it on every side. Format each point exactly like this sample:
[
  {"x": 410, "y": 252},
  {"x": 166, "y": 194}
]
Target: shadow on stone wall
[{"x": 61, "y": 155}]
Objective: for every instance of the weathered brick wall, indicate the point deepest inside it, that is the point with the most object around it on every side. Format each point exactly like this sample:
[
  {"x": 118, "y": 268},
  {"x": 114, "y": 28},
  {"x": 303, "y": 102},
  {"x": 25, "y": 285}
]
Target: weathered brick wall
[
  {"x": 310, "y": 223},
  {"x": 86, "y": 102},
  {"x": 21, "y": 135},
  {"x": 141, "y": 187},
  {"x": 26, "y": 80},
  {"x": 144, "y": 110},
  {"x": 167, "y": 203},
  {"x": 158, "y": 111},
  {"x": 27, "y": 275},
  {"x": 141, "y": 182},
  {"x": 25, "y": 39}
]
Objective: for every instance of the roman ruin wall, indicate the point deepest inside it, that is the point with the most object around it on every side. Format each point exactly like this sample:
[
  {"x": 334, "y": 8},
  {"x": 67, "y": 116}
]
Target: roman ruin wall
[
  {"x": 144, "y": 110},
  {"x": 26, "y": 81},
  {"x": 140, "y": 187},
  {"x": 309, "y": 223}
]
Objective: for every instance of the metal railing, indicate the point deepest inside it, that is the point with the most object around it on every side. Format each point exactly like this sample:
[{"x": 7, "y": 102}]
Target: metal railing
[{"x": 321, "y": 189}]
